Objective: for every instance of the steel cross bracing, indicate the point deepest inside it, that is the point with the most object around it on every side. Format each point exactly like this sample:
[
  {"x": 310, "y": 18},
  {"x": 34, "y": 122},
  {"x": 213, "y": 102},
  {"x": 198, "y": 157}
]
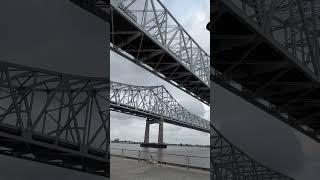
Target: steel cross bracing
[
  {"x": 146, "y": 33},
  {"x": 294, "y": 24},
  {"x": 227, "y": 162},
  {"x": 268, "y": 53},
  {"x": 54, "y": 118},
  {"x": 153, "y": 102}
]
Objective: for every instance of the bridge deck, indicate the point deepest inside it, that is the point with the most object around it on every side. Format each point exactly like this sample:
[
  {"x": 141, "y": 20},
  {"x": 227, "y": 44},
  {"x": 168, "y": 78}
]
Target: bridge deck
[{"x": 253, "y": 65}]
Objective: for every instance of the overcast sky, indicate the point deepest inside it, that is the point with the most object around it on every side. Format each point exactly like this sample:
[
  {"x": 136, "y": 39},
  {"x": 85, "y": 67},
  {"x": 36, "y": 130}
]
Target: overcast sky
[{"x": 193, "y": 16}]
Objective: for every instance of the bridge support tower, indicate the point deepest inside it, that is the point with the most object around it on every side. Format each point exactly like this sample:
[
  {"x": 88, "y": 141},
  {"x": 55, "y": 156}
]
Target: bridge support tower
[{"x": 146, "y": 142}]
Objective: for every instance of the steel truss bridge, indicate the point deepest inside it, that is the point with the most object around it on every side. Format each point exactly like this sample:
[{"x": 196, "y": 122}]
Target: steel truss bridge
[
  {"x": 146, "y": 33},
  {"x": 55, "y": 118},
  {"x": 268, "y": 53},
  {"x": 153, "y": 102}
]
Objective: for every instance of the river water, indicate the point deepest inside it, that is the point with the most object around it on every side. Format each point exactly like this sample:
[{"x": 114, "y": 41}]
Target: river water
[{"x": 197, "y": 156}]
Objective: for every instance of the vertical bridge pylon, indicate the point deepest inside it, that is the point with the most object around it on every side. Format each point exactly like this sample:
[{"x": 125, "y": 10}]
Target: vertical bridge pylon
[{"x": 146, "y": 142}]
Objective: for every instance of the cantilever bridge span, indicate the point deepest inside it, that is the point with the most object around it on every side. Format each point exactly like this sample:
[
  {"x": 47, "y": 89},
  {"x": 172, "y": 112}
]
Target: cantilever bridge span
[{"x": 153, "y": 102}]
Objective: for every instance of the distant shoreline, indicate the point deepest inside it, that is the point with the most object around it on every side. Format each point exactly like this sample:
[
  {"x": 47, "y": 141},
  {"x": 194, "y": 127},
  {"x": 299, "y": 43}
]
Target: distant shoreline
[{"x": 182, "y": 145}]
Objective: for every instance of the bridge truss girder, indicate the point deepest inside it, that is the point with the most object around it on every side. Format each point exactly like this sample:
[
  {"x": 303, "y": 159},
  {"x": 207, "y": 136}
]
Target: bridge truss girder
[
  {"x": 154, "y": 102},
  {"x": 146, "y": 33},
  {"x": 294, "y": 24},
  {"x": 54, "y": 118}
]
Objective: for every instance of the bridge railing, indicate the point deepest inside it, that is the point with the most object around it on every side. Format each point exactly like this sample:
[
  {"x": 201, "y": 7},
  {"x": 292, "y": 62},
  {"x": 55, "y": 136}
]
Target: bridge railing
[
  {"x": 159, "y": 24},
  {"x": 187, "y": 161},
  {"x": 294, "y": 24}
]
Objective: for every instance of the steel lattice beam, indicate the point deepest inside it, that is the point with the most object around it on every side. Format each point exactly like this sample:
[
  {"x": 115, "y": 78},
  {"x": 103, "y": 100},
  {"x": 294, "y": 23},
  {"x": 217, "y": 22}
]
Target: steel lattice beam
[
  {"x": 293, "y": 23},
  {"x": 55, "y": 118},
  {"x": 154, "y": 102},
  {"x": 146, "y": 33}
]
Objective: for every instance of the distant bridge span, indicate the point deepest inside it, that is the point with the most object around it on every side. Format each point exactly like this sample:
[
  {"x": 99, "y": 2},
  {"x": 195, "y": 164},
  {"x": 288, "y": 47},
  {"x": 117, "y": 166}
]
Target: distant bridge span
[{"x": 153, "y": 102}]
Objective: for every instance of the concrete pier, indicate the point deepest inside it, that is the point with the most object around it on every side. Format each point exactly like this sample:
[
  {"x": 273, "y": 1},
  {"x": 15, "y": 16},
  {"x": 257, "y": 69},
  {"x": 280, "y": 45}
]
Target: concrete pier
[
  {"x": 147, "y": 132},
  {"x": 146, "y": 142}
]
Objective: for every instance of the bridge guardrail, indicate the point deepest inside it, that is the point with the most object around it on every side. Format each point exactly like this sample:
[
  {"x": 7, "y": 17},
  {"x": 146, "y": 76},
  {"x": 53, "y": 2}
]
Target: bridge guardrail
[{"x": 187, "y": 161}]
